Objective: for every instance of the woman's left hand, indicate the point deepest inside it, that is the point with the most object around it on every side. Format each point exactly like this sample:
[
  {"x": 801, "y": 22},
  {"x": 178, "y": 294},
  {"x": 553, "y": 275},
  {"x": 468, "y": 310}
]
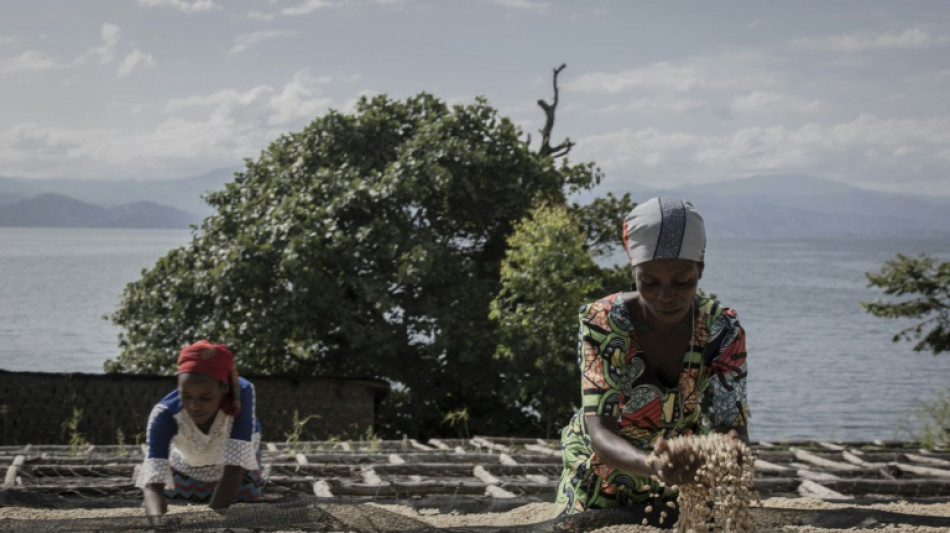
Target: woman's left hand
[{"x": 736, "y": 438}]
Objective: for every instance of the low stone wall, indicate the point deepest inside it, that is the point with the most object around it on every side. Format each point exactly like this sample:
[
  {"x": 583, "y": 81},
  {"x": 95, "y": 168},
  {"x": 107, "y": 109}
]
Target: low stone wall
[{"x": 48, "y": 408}]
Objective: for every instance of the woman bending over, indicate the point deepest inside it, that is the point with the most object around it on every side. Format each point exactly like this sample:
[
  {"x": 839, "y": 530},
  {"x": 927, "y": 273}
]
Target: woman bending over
[
  {"x": 657, "y": 362},
  {"x": 203, "y": 438}
]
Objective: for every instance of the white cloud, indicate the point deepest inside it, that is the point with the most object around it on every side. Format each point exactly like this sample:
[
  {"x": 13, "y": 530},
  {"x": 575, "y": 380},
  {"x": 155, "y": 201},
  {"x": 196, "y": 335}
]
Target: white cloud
[
  {"x": 770, "y": 102},
  {"x": 663, "y": 103},
  {"x": 861, "y": 42},
  {"x": 259, "y": 15},
  {"x": 939, "y": 76},
  {"x": 220, "y": 98},
  {"x": 903, "y": 150},
  {"x": 7, "y": 40},
  {"x": 300, "y": 99},
  {"x": 527, "y": 5},
  {"x": 29, "y": 150},
  {"x": 202, "y": 131},
  {"x": 867, "y": 148},
  {"x": 245, "y": 41},
  {"x": 134, "y": 60},
  {"x": 29, "y": 61},
  {"x": 661, "y": 75},
  {"x": 106, "y": 50},
  {"x": 691, "y": 74},
  {"x": 182, "y": 5},
  {"x": 34, "y": 61},
  {"x": 309, "y": 6}
]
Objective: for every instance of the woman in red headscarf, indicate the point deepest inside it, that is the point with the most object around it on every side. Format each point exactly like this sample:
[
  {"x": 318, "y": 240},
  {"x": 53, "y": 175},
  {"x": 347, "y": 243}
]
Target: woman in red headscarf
[{"x": 203, "y": 438}]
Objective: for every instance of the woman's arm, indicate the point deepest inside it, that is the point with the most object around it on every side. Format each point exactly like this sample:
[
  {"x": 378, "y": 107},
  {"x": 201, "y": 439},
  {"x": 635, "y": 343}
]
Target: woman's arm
[
  {"x": 227, "y": 487},
  {"x": 617, "y": 452},
  {"x": 154, "y": 473},
  {"x": 614, "y": 449}
]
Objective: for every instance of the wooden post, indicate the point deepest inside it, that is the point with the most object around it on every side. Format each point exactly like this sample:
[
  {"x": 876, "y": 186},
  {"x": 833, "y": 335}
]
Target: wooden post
[{"x": 10, "y": 479}]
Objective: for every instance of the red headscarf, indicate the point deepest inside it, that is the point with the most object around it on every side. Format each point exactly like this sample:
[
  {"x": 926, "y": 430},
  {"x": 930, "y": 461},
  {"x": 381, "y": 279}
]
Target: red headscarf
[{"x": 217, "y": 361}]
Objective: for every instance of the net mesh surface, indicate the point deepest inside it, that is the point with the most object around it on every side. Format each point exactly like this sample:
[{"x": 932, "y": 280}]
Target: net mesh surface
[{"x": 464, "y": 477}]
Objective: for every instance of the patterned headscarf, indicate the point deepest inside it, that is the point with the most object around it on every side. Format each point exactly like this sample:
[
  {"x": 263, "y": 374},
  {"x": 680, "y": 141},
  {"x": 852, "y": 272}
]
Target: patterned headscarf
[
  {"x": 664, "y": 228},
  {"x": 216, "y": 361}
]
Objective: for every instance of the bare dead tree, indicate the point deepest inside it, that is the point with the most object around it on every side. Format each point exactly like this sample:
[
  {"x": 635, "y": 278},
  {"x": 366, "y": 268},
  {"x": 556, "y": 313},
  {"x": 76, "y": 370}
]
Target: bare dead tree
[{"x": 546, "y": 148}]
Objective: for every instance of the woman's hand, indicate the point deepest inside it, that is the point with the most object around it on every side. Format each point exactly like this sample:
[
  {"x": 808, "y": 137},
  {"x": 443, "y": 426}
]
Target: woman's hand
[
  {"x": 674, "y": 467},
  {"x": 736, "y": 438},
  {"x": 156, "y": 507},
  {"x": 163, "y": 522},
  {"x": 227, "y": 488}
]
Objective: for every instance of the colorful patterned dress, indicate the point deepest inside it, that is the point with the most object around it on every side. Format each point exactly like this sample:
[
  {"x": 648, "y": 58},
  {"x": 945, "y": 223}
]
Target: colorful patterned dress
[
  {"x": 711, "y": 393},
  {"x": 189, "y": 463}
]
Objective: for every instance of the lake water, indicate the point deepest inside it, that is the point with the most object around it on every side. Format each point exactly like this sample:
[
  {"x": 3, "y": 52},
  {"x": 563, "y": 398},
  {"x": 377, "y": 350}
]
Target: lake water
[{"x": 820, "y": 367}]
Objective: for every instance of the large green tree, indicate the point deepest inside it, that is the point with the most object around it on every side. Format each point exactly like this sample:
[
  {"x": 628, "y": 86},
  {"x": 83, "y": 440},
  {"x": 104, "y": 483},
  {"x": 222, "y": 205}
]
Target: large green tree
[
  {"x": 923, "y": 285},
  {"x": 368, "y": 244}
]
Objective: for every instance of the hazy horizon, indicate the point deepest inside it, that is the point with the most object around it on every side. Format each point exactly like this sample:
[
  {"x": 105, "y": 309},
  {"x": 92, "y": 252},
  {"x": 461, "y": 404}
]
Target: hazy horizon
[{"x": 658, "y": 94}]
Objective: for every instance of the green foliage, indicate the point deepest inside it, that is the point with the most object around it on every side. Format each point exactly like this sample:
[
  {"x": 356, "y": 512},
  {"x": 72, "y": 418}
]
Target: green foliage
[
  {"x": 546, "y": 275},
  {"x": 120, "y": 442},
  {"x": 935, "y": 415},
  {"x": 602, "y": 223},
  {"x": 929, "y": 283},
  {"x": 297, "y": 426},
  {"x": 77, "y": 441},
  {"x": 929, "y": 422},
  {"x": 370, "y": 441},
  {"x": 457, "y": 418},
  {"x": 366, "y": 245}
]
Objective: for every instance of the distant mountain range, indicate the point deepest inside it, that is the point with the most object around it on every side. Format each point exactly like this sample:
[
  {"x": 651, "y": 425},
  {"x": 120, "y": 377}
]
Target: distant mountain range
[
  {"x": 180, "y": 193},
  {"x": 803, "y": 206},
  {"x": 171, "y": 203},
  {"x": 57, "y": 211},
  {"x": 779, "y": 206}
]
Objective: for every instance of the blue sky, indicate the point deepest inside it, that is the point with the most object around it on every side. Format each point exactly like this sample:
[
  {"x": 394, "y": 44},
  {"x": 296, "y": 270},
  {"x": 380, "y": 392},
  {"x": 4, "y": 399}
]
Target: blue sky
[{"x": 658, "y": 93}]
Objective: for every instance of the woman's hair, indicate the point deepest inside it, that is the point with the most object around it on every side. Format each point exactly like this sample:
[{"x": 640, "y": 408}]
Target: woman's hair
[{"x": 664, "y": 228}]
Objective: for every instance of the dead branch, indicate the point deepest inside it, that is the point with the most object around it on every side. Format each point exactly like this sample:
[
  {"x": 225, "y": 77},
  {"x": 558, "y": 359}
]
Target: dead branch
[{"x": 549, "y": 109}]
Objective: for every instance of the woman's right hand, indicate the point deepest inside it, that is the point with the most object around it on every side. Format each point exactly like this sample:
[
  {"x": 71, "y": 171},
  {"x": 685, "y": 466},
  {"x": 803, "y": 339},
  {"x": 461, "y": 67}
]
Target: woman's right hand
[
  {"x": 163, "y": 522},
  {"x": 674, "y": 467},
  {"x": 155, "y": 504}
]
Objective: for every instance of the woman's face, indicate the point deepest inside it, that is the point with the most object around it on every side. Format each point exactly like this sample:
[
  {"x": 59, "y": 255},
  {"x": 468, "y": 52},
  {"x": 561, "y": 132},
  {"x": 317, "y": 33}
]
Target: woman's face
[
  {"x": 667, "y": 288},
  {"x": 201, "y": 396}
]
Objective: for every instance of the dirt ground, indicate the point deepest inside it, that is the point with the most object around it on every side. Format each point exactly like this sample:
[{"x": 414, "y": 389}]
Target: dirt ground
[{"x": 776, "y": 514}]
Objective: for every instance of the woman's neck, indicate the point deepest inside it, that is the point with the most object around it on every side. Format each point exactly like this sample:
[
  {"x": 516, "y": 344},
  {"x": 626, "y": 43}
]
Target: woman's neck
[{"x": 206, "y": 427}]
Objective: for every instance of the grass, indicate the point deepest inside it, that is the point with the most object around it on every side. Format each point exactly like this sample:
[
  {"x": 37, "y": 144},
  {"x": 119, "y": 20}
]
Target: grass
[
  {"x": 293, "y": 436},
  {"x": 456, "y": 418},
  {"x": 120, "y": 442},
  {"x": 934, "y": 414},
  {"x": 371, "y": 442},
  {"x": 77, "y": 441}
]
